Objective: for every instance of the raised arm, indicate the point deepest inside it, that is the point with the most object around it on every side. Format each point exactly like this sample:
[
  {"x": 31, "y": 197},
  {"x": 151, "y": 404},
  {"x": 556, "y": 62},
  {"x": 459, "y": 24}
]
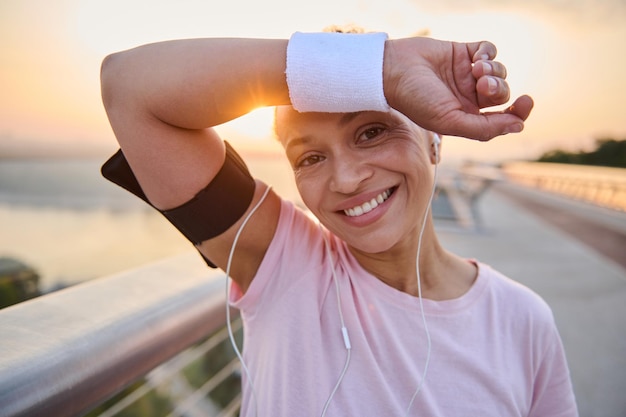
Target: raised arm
[{"x": 162, "y": 99}]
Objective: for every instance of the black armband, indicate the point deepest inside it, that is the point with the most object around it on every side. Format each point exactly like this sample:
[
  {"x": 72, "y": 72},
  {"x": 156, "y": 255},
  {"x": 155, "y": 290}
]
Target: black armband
[{"x": 212, "y": 211}]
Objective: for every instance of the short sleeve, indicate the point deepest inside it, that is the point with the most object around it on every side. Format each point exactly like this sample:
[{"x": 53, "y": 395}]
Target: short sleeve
[
  {"x": 297, "y": 247},
  {"x": 553, "y": 394}
]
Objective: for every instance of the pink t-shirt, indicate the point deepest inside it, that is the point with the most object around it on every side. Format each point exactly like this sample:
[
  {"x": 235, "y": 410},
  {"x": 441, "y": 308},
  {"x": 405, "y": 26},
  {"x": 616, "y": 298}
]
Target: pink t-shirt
[{"x": 495, "y": 350}]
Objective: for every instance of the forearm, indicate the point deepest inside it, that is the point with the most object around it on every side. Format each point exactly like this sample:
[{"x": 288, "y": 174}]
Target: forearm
[{"x": 197, "y": 83}]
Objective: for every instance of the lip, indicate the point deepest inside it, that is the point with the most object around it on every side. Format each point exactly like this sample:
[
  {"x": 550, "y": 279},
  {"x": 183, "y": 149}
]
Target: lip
[
  {"x": 370, "y": 217},
  {"x": 361, "y": 199}
]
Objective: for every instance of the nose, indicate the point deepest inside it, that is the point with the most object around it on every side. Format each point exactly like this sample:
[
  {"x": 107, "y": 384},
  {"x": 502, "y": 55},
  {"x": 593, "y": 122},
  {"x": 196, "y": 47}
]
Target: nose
[{"x": 348, "y": 173}]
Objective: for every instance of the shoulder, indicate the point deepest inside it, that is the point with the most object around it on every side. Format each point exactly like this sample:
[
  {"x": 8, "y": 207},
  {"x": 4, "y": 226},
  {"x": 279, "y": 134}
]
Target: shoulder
[
  {"x": 295, "y": 257},
  {"x": 514, "y": 298},
  {"x": 297, "y": 245},
  {"x": 521, "y": 316},
  {"x": 296, "y": 231}
]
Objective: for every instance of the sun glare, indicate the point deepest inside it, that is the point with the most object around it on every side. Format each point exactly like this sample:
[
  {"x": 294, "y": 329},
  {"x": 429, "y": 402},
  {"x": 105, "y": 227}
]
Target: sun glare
[{"x": 256, "y": 125}]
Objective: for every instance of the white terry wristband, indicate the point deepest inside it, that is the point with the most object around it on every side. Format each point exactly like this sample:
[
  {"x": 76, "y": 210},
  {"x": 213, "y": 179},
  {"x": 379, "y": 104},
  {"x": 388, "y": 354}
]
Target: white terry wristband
[{"x": 336, "y": 72}]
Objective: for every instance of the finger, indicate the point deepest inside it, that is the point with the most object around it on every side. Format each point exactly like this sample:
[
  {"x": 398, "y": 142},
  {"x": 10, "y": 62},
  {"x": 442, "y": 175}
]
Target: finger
[
  {"x": 482, "y": 51},
  {"x": 521, "y": 107},
  {"x": 492, "y": 91},
  {"x": 494, "y": 68},
  {"x": 486, "y": 126}
]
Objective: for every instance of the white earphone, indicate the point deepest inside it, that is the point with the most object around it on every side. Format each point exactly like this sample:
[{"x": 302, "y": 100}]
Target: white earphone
[{"x": 436, "y": 144}]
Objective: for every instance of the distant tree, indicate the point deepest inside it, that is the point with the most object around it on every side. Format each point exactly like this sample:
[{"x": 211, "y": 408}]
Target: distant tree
[
  {"x": 608, "y": 152},
  {"x": 18, "y": 282}
]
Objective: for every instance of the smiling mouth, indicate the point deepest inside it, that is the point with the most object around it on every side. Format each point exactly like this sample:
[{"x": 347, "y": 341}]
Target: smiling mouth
[{"x": 369, "y": 205}]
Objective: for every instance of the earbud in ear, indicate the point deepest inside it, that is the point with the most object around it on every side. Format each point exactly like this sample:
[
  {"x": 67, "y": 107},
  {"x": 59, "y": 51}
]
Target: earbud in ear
[
  {"x": 436, "y": 143},
  {"x": 436, "y": 140}
]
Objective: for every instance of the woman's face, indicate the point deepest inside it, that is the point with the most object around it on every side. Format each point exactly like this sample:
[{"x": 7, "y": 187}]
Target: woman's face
[{"x": 366, "y": 176}]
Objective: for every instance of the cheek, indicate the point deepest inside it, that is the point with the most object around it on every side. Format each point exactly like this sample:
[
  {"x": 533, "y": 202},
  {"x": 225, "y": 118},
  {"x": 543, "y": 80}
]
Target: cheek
[
  {"x": 401, "y": 155},
  {"x": 310, "y": 191},
  {"x": 409, "y": 160}
]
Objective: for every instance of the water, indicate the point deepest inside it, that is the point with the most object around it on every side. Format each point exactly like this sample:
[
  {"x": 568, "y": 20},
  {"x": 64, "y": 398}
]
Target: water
[{"x": 63, "y": 219}]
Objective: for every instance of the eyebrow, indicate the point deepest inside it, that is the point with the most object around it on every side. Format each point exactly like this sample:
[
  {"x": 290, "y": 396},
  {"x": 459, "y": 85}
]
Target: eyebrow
[
  {"x": 344, "y": 120},
  {"x": 296, "y": 142},
  {"x": 348, "y": 117}
]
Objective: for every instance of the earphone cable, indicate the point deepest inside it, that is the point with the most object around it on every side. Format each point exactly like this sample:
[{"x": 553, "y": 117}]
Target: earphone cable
[
  {"x": 230, "y": 329},
  {"x": 344, "y": 330},
  {"x": 419, "y": 285}
]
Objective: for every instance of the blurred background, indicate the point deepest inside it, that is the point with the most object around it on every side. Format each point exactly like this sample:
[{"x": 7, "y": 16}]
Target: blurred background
[
  {"x": 62, "y": 224},
  {"x": 58, "y": 215}
]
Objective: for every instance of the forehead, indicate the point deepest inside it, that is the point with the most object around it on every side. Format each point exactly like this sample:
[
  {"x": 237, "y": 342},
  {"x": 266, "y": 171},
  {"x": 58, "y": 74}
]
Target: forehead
[
  {"x": 289, "y": 123},
  {"x": 287, "y": 120}
]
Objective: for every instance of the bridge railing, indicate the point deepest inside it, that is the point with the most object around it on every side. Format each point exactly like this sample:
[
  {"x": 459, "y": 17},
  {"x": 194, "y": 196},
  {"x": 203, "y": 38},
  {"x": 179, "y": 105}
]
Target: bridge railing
[
  {"x": 65, "y": 353},
  {"x": 463, "y": 188},
  {"x": 602, "y": 186}
]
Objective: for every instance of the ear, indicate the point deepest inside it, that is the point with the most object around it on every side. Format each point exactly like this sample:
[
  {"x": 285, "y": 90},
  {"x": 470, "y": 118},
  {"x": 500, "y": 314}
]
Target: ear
[{"x": 435, "y": 148}]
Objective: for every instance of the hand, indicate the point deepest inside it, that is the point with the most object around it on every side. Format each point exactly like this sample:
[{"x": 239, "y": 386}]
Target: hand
[{"x": 442, "y": 86}]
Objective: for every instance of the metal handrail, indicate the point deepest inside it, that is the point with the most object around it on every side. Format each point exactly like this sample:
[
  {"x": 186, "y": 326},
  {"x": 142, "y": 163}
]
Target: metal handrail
[
  {"x": 602, "y": 186},
  {"x": 168, "y": 371},
  {"x": 66, "y": 352}
]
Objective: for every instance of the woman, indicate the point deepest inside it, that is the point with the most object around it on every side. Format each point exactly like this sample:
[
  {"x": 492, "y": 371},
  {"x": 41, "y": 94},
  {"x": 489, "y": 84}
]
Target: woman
[{"x": 368, "y": 315}]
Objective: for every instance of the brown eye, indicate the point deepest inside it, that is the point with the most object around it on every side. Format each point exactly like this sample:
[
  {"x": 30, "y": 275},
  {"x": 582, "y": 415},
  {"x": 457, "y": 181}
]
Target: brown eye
[
  {"x": 309, "y": 160},
  {"x": 370, "y": 133}
]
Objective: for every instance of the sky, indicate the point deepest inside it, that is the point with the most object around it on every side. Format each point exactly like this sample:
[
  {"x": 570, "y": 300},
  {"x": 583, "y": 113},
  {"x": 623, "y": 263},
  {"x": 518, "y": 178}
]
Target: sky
[{"x": 569, "y": 55}]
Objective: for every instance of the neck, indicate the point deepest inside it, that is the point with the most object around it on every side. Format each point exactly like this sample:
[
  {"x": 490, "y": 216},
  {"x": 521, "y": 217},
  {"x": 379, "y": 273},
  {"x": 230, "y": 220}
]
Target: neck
[{"x": 442, "y": 275}]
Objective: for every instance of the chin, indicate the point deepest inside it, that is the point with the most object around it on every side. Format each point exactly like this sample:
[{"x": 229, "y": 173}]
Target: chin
[
  {"x": 371, "y": 244},
  {"x": 373, "y": 239}
]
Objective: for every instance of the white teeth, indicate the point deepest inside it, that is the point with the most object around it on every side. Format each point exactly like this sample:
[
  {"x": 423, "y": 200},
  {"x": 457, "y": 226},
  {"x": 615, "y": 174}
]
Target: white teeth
[{"x": 368, "y": 205}]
